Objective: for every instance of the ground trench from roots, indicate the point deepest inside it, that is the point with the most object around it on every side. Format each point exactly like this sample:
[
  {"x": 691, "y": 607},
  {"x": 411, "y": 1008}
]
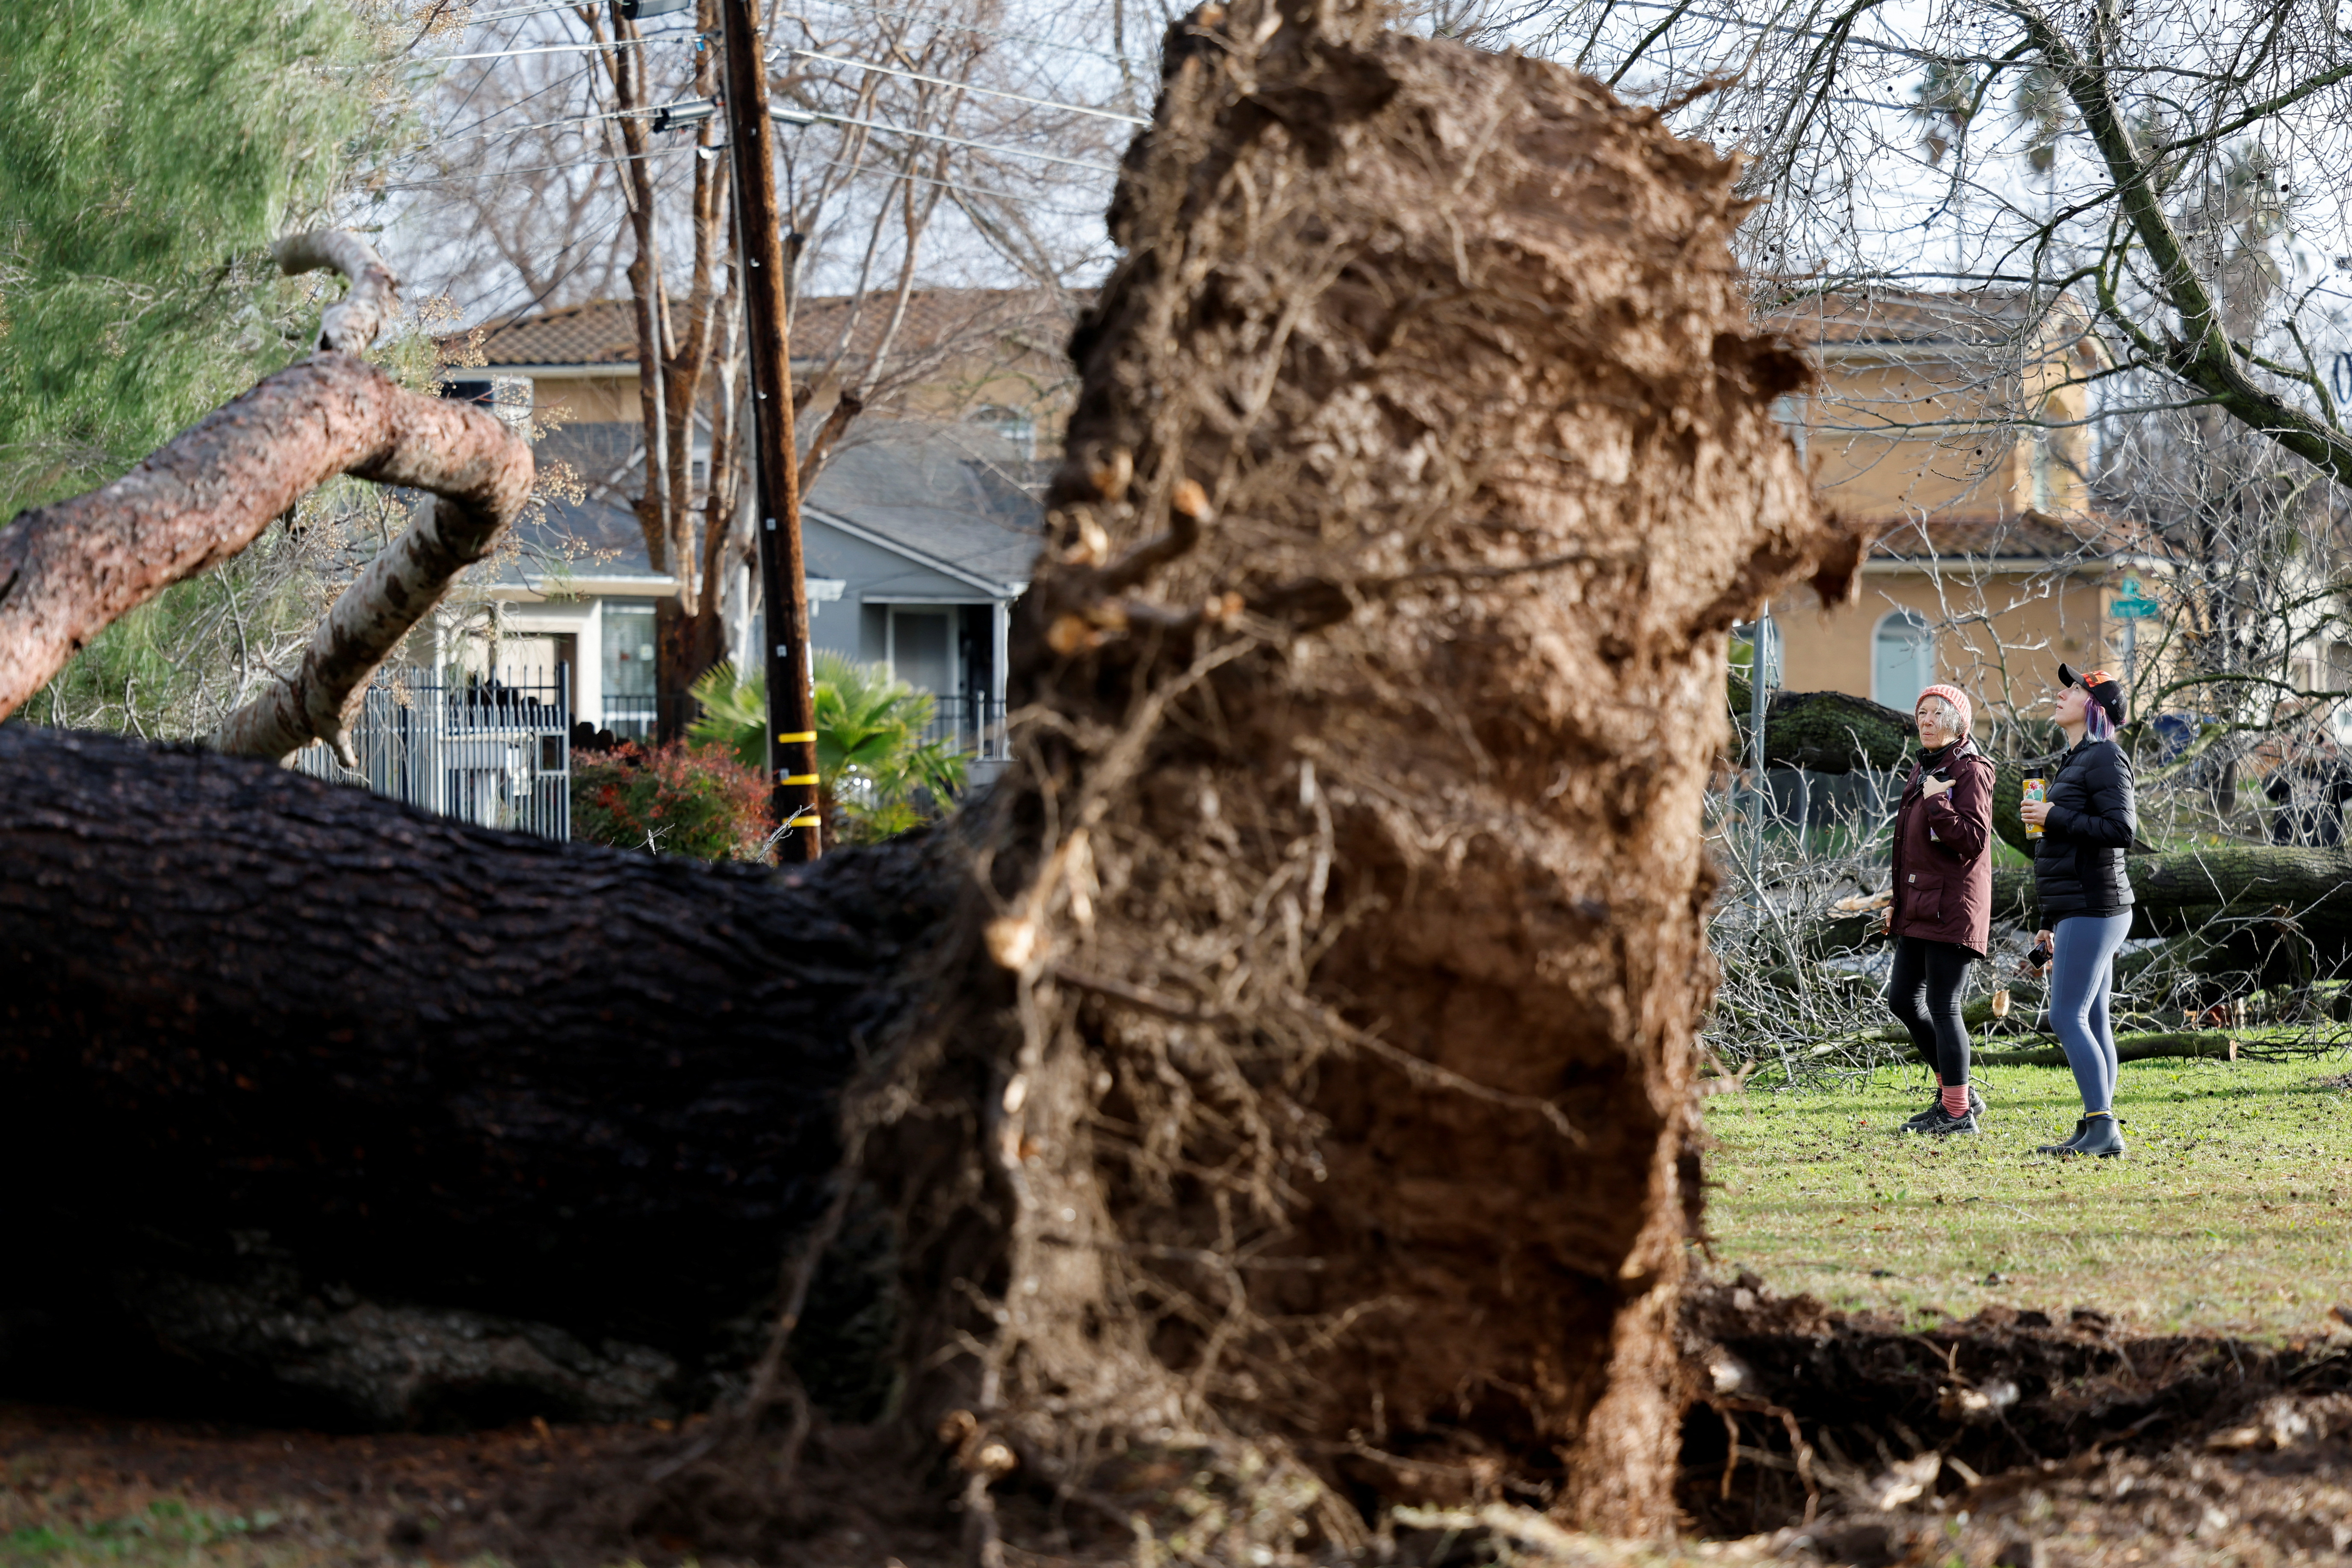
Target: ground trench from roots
[
  {"x": 2021, "y": 1405},
  {"x": 2042, "y": 1424}
]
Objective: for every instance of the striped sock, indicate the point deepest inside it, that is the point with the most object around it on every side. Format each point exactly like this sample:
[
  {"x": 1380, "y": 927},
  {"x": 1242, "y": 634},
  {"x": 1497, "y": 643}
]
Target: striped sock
[{"x": 1954, "y": 1098}]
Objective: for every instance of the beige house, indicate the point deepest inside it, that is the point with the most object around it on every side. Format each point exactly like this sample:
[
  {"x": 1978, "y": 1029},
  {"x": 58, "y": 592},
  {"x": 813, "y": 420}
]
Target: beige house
[{"x": 1993, "y": 563}]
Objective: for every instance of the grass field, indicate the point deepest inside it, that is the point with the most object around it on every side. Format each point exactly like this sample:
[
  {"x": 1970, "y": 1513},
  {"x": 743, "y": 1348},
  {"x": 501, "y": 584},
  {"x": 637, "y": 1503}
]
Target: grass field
[{"x": 2232, "y": 1211}]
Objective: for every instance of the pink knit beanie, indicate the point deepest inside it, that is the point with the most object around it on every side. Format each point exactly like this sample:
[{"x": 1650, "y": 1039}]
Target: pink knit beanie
[{"x": 1957, "y": 699}]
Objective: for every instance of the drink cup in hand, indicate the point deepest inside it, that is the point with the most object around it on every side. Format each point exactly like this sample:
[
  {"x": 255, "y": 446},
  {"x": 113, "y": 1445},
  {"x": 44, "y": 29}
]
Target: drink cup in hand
[{"x": 2037, "y": 792}]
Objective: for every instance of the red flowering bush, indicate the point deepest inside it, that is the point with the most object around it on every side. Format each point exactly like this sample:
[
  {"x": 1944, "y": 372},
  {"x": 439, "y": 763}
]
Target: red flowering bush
[{"x": 678, "y": 799}]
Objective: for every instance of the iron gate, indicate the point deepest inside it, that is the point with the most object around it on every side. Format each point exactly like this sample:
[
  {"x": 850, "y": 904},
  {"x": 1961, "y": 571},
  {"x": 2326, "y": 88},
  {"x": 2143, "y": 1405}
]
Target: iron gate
[{"x": 493, "y": 752}]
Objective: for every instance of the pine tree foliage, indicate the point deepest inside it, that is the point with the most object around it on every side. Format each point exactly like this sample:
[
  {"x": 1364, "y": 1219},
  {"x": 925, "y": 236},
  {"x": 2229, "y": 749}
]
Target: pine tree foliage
[{"x": 148, "y": 151}]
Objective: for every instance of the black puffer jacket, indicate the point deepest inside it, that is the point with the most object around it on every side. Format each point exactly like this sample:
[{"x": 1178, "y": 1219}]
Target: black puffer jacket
[{"x": 2078, "y": 863}]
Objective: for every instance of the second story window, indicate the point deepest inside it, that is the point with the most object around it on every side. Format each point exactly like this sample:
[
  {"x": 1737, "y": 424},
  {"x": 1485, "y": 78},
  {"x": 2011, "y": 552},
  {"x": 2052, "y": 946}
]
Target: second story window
[
  {"x": 1016, "y": 429},
  {"x": 1903, "y": 659}
]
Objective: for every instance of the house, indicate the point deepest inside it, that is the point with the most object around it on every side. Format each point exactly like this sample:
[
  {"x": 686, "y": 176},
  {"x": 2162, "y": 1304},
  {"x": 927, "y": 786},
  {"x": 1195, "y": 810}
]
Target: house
[
  {"x": 1993, "y": 562},
  {"x": 917, "y": 533}
]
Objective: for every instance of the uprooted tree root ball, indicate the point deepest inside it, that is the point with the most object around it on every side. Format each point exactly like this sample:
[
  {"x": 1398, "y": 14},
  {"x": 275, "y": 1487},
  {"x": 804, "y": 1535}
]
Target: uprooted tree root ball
[{"x": 1325, "y": 998}]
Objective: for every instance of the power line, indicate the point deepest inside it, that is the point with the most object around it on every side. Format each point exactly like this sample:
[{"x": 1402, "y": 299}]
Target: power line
[
  {"x": 952, "y": 25},
  {"x": 542, "y": 125},
  {"x": 563, "y": 48},
  {"x": 965, "y": 86},
  {"x": 810, "y": 117},
  {"x": 543, "y": 168}
]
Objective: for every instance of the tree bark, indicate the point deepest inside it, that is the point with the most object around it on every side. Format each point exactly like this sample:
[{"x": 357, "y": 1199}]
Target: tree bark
[
  {"x": 70, "y": 570},
  {"x": 247, "y": 1018}
]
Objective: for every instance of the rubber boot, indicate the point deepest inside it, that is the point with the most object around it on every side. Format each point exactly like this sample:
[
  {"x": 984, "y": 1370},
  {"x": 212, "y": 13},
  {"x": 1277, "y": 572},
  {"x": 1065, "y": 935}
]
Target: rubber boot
[
  {"x": 2102, "y": 1139},
  {"x": 2082, "y": 1125}
]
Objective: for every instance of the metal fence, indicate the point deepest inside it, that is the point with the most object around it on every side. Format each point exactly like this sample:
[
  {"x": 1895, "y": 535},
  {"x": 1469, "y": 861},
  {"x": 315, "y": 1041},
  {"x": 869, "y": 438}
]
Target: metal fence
[
  {"x": 972, "y": 724},
  {"x": 639, "y": 715},
  {"x": 497, "y": 752}
]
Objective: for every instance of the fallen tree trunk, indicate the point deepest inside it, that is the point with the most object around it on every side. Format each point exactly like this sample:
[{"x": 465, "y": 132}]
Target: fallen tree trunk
[
  {"x": 267, "y": 1045},
  {"x": 1827, "y": 732},
  {"x": 2187, "y": 890},
  {"x": 2177, "y": 1045}
]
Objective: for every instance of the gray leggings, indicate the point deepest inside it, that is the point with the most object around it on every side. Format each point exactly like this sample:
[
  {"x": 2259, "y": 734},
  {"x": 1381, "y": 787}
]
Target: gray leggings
[{"x": 2081, "y": 975}]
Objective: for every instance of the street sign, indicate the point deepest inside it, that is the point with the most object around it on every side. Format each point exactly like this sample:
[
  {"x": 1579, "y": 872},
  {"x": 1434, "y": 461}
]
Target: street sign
[{"x": 2132, "y": 605}]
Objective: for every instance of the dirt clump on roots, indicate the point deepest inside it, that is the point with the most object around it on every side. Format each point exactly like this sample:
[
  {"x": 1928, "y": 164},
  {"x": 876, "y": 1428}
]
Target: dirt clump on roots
[
  {"x": 1328, "y": 988},
  {"x": 2016, "y": 1436}
]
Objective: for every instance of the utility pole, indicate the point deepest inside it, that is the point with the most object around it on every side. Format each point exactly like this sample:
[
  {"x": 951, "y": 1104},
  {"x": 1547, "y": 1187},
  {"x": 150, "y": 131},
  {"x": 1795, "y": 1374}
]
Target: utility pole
[
  {"x": 1758, "y": 671},
  {"x": 783, "y": 577}
]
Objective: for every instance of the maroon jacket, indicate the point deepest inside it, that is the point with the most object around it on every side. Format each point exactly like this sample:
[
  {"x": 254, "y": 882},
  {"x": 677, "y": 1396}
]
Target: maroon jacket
[{"x": 1943, "y": 854}]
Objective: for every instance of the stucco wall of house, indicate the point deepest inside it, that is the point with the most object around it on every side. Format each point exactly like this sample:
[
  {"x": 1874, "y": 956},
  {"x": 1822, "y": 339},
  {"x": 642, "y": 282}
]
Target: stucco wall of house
[
  {"x": 1889, "y": 436},
  {"x": 2008, "y": 658}
]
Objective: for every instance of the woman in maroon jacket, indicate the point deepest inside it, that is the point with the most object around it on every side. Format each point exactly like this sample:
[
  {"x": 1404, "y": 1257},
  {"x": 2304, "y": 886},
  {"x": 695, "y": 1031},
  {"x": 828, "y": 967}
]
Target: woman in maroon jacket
[{"x": 1942, "y": 914}]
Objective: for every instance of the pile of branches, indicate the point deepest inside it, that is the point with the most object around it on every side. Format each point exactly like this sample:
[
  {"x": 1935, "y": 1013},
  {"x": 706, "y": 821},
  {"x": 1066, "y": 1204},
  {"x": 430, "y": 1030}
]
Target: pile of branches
[{"x": 2239, "y": 947}]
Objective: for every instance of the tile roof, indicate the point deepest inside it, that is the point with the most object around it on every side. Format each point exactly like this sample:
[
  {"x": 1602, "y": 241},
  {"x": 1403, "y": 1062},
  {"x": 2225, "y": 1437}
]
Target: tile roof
[
  {"x": 604, "y": 331},
  {"x": 1915, "y": 318},
  {"x": 2026, "y": 536}
]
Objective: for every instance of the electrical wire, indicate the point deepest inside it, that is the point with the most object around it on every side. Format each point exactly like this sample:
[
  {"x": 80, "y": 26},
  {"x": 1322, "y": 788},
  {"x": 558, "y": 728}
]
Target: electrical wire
[
  {"x": 804, "y": 116},
  {"x": 876, "y": 172},
  {"x": 542, "y": 125},
  {"x": 561, "y": 48},
  {"x": 512, "y": 12},
  {"x": 962, "y": 85},
  {"x": 543, "y": 168},
  {"x": 952, "y": 25}
]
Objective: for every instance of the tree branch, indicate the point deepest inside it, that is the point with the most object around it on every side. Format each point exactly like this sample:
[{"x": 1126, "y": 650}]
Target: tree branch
[
  {"x": 2203, "y": 357},
  {"x": 70, "y": 570},
  {"x": 351, "y": 324},
  {"x": 482, "y": 473}
]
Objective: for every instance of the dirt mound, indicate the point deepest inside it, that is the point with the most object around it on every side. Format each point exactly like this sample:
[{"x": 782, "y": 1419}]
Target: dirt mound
[{"x": 1858, "y": 1438}]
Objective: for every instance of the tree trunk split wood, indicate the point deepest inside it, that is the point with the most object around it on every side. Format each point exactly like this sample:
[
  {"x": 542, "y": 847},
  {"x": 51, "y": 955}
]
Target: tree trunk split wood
[{"x": 1298, "y": 1040}]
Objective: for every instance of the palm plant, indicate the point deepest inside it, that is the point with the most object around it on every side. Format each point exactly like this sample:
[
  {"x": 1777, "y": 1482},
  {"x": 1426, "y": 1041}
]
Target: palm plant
[{"x": 871, "y": 756}]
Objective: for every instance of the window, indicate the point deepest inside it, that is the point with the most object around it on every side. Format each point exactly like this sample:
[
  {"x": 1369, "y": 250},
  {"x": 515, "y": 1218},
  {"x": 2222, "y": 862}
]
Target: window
[
  {"x": 1903, "y": 659},
  {"x": 1794, "y": 416},
  {"x": 1017, "y": 429},
  {"x": 921, "y": 643},
  {"x": 629, "y": 667}
]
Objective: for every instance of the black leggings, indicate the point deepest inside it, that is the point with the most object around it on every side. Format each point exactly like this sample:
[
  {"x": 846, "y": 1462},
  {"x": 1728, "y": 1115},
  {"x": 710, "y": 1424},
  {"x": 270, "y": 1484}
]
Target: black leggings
[{"x": 1923, "y": 990}]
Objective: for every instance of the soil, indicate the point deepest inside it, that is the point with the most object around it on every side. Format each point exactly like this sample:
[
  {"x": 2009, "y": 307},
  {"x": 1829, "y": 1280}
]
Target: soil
[
  {"x": 2060, "y": 1439},
  {"x": 528, "y": 1493},
  {"x": 2052, "y": 1441}
]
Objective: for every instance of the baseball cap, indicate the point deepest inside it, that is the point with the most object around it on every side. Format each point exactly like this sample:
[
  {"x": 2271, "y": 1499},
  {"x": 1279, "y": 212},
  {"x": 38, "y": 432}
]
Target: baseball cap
[{"x": 2105, "y": 688}]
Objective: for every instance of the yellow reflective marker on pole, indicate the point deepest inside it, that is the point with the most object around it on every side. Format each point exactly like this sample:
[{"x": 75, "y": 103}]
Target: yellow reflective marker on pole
[
  {"x": 797, "y": 779},
  {"x": 806, "y": 737}
]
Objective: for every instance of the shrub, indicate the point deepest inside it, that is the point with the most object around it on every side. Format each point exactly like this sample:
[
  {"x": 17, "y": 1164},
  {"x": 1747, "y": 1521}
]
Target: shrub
[
  {"x": 874, "y": 767},
  {"x": 685, "y": 798}
]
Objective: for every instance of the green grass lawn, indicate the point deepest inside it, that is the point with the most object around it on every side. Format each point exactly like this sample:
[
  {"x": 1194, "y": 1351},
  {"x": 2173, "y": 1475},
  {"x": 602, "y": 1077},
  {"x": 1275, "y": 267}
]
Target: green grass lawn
[{"x": 2232, "y": 1211}]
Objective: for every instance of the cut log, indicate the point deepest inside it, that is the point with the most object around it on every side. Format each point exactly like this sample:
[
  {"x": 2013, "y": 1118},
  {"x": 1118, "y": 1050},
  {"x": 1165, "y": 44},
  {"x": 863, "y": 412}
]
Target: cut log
[
  {"x": 288, "y": 1062},
  {"x": 2186, "y": 1046}
]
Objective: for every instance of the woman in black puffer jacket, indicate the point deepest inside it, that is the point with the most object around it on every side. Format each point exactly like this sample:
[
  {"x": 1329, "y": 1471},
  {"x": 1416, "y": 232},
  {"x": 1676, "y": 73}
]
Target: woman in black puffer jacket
[{"x": 2087, "y": 820}]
